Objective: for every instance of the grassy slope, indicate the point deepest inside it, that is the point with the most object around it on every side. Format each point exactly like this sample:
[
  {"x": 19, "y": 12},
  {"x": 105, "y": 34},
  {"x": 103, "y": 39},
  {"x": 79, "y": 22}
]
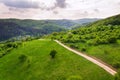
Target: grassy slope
[
  {"x": 109, "y": 53},
  {"x": 65, "y": 65}
]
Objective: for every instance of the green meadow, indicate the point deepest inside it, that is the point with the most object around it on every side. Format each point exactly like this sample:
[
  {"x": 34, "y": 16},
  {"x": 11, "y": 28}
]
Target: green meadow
[{"x": 32, "y": 61}]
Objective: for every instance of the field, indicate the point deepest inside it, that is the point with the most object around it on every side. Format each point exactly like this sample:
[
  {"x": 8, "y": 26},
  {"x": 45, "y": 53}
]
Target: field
[{"x": 38, "y": 65}]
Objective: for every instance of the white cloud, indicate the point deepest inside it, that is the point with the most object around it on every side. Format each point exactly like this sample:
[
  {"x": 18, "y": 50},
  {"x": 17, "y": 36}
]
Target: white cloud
[{"x": 58, "y": 9}]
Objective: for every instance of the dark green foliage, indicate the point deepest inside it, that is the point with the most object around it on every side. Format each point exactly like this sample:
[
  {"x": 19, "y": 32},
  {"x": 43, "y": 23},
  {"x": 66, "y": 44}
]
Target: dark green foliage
[
  {"x": 7, "y": 47},
  {"x": 83, "y": 49},
  {"x": 53, "y": 53},
  {"x": 91, "y": 35},
  {"x": 73, "y": 46},
  {"x": 14, "y": 45},
  {"x": 22, "y": 58},
  {"x": 10, "y": 28},
  {"x": 101, "y": 32},
  {"x": 116, "y": 65}
]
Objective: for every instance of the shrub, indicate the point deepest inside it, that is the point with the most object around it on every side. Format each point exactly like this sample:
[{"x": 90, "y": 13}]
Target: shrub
[
  {"x": 22, "y": 58},
  {"x": 9, "y": 45},
  {"x": 73, "y": 46},
  {"x": 90, "y": 42},
  {"x": 8, "y": 49},
  {"x": 83, "y": 49},
  {"x": 112, "y": 40},
  {"x": 15, "y": 45},
  {"x": 53, "y": 53},
  {"x": 116, "y": 64}
]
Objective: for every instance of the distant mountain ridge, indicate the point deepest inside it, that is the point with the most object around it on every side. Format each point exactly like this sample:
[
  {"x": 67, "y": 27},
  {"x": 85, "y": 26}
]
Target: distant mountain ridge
[
  {"x": 15, "y": 27},
  {"x": 86, "y": 20},
  {"x": 113, "y": 20},
  {"x": 103, "y": 31}
]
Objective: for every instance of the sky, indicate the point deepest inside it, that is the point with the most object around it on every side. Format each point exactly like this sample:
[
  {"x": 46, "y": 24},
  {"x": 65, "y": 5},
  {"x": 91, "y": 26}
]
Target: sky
[{"x": 58, "y": 9}]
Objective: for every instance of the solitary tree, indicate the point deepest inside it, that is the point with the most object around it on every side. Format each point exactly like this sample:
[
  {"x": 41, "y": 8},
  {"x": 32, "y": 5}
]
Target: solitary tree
[{"x": 53, "y": 53}]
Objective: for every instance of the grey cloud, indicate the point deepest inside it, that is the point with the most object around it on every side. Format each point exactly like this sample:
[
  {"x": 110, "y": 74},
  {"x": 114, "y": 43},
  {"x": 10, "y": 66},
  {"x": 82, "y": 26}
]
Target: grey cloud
[
  {"x": 29, "y": 4},
  {"x": 85, "y": 13},
  {"x": 61, "y": 3},
  {"x": 97, "y": 10},
  {"x": 55, "y": 12},
  {"x": 82, "y": 1},
  {"x": 58, "y": 3},
  {"x": 17, "y": 9},
  {"x": 20, "y": 3}
]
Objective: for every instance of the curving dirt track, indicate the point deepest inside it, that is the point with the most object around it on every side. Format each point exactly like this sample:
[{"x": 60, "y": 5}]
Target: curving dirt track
[{"x": 95, "y": 61}]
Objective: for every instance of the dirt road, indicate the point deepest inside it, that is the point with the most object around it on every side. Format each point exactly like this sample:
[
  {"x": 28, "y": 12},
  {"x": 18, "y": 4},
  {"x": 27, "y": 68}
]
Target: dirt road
[{"x": 105, "y": 67}]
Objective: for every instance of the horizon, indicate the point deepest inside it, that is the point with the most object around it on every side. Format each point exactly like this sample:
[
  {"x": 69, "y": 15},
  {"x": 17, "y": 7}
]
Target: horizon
[
  {"x": 58, "y": 9},
  {"x": 52, "y": 19}
]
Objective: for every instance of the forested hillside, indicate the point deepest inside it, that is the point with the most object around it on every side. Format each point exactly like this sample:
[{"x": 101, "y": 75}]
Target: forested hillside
[
  {"x": 100, "y": 39},
  {"x": 12, "y": 28}
]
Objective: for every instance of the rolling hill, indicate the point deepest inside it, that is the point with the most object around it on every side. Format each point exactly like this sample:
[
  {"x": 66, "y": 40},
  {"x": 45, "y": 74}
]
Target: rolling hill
[
  {"x": 32, "y": 61},
  {"x": 113, "y": 20},
  {"x": 10, "y": 28},
  {"x": 86, "y": 20},
  {"x": 100, "y": 39},
  {"x": 13, "y": 28}
]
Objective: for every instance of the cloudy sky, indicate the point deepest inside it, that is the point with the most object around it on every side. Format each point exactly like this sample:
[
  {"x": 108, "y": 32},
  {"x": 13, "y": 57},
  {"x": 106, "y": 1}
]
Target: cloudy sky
[{"x": 58, "y": 9}]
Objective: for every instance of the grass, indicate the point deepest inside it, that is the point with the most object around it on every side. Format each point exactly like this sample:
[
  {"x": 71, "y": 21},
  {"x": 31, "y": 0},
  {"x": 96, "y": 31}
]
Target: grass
[
  {"x": 109, "y": 53},
  {"x": 40, "y": 66}
]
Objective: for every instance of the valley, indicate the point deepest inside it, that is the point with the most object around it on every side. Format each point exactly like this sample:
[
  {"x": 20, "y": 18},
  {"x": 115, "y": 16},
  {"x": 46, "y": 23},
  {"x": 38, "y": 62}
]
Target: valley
[{"x": 97, "y": 47}]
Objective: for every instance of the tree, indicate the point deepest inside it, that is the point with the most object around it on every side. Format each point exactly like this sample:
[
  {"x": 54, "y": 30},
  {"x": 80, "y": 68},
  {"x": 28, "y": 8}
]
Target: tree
[{"x": 53, "y": 53}]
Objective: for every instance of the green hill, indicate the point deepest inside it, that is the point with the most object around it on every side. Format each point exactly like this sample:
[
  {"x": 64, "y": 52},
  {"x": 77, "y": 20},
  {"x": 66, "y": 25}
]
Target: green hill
[
  {"x": 31, "y": 61},
  {"x": 10, "y": 28},
  {"x": 114, "y": 20},
  {"x": 100, "y": 39}
]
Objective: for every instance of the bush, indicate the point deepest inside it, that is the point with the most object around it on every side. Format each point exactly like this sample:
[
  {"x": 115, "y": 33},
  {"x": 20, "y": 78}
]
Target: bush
[
  {"x": 53, "y": 53},
  {"x": 116, "y": 65},
  {"x": 22, "y": 58},
  {"x": 73, "y": 46},
  {"x": 83, "y": 49},
  {"x": 9, "y": 45},
  {"x": 15, "y": 45},
  {"x": 112, "y": 40}
]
